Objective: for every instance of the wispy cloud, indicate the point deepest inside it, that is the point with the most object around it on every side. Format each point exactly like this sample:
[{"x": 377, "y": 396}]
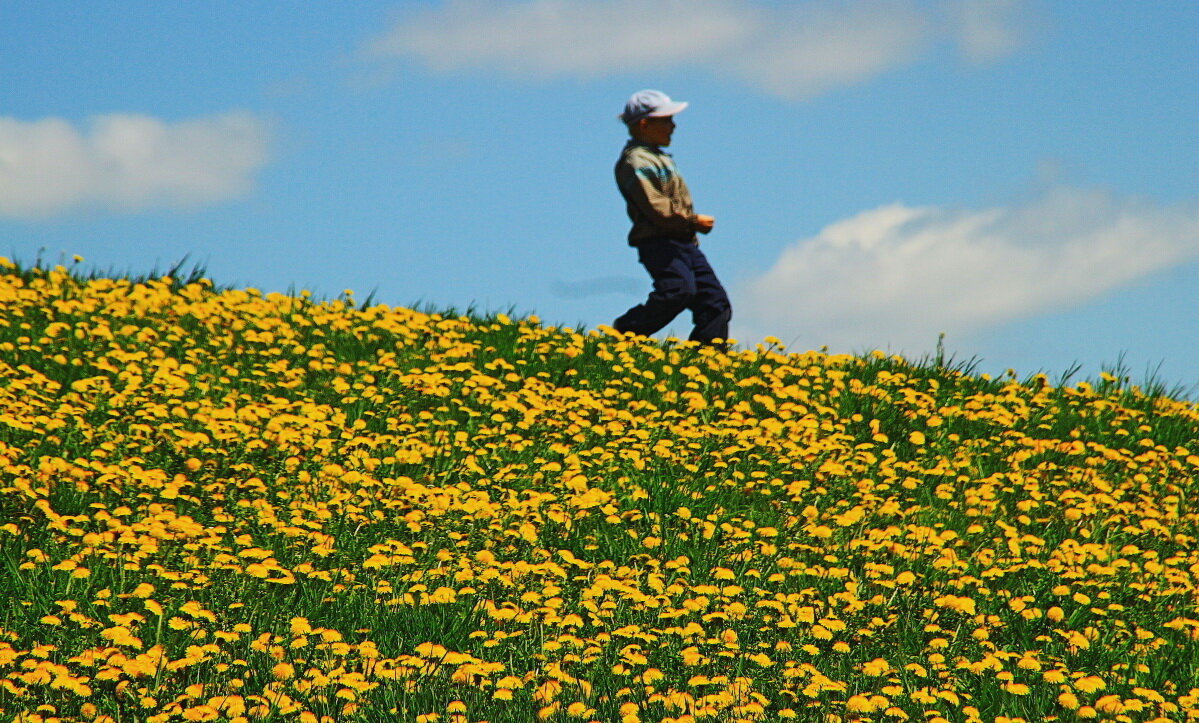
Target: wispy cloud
[
  {"x": 792, "y": 50},
  {"x": 126, "y": 162},
  {"x": 814, "y": 48},
  {"x": 566, "y": 37},
  {"x": 990, "y": 29},
  {"x": 897, "y": 276}
]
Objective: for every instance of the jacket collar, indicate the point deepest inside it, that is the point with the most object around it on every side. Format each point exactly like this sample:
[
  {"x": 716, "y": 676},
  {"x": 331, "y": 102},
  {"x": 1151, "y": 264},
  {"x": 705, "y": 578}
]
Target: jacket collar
[{"x": 634, "y": 143}]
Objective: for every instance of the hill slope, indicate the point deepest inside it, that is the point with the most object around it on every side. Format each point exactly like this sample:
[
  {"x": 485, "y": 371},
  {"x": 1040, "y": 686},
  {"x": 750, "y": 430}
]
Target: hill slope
[{"x": 224, "y": 505}]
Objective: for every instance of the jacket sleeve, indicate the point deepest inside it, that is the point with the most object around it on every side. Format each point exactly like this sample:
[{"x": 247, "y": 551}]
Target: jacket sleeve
[{"x": 642, "y": 187}]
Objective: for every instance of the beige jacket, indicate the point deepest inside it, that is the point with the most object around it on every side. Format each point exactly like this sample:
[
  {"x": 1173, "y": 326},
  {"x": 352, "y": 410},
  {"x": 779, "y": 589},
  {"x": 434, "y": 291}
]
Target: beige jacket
[{"x": 659, "y": 203}]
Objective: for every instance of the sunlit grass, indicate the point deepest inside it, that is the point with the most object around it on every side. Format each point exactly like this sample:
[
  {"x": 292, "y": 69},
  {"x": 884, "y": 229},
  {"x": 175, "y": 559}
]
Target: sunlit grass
[{"x": 222, "y": 505}]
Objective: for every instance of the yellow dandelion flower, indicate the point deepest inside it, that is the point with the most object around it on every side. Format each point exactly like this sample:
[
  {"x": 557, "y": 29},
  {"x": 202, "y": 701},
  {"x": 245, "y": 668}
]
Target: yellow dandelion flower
[
  {"x": 121, "y": 635},
  {"x": 859, "y": 704},
  {"x": 878, "y": 666},
  {"x": 1054, "y": 676},
  {"x": 258, "y": 570},
  {"x": 1077, "y": 639},
  {"x": 691, "y": 655},
  {"x": 201, "y": 713},
  {"x": 1110, "y": 705},
  {"x": 1090, "y": 684},
  {"x": 576, "y": 709},
  {"x": 195, "y": 610}
]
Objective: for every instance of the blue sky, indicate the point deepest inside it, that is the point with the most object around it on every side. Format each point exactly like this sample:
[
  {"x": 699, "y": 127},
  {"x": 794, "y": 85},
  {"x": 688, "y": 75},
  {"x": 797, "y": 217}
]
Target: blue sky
[{"x": 1020, "y": 175}]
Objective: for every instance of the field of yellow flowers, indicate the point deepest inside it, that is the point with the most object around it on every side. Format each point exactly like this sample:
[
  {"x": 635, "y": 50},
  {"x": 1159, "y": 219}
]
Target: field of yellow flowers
[{"x": 220, "y": 505}]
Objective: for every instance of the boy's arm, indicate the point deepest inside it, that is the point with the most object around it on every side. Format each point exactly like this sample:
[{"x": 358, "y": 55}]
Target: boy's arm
[{"x": 641, "y": 187}]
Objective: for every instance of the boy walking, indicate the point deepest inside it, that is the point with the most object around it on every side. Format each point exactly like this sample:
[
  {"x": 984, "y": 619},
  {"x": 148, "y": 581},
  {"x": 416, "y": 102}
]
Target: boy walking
[{"x": 665, "y": 225}]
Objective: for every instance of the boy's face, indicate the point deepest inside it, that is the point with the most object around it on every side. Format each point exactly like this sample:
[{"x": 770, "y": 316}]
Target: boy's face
[{"x": 654, "y": 131}]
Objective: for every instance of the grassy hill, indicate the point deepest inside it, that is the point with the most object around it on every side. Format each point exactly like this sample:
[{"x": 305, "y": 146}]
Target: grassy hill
[{"x": 224, "y": 505}]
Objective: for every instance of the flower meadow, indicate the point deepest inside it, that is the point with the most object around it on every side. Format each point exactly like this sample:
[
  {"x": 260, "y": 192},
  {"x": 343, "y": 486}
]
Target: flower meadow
[{"x": 224, "y": 505}]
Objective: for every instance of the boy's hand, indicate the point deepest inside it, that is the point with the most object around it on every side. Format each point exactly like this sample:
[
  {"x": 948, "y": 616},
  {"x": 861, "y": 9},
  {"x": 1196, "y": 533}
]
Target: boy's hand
[{"x": 703, "y": 223}]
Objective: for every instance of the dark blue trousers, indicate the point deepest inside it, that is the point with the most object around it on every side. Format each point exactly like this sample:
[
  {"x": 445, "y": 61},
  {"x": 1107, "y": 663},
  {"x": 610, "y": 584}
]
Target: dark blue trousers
[{"x": 683, "y": 279}]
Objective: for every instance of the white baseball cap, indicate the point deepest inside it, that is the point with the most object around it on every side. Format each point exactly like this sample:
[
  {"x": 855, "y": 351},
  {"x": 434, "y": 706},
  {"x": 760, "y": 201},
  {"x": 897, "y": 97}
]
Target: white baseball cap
[{"x": 649, "y": 104}]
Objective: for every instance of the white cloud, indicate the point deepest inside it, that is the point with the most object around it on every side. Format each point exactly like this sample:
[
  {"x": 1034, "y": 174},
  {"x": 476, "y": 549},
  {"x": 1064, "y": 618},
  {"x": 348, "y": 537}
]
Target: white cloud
[
  {"x": 894, "y": 277},
  {"x": 126, "y": 162},
  {"x": 791, "y": 50},
  {"x": 567, "y": 37},
  {"x": 815, "y": 48},
  {"x": 990, "y": 29}
]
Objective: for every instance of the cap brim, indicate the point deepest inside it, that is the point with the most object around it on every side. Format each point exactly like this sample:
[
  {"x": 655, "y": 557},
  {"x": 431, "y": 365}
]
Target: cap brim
[{"x": 667, "y": 110}]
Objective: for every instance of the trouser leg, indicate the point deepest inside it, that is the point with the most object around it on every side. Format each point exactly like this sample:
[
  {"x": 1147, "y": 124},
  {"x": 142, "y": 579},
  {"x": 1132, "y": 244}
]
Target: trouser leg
[
  {"x": 710, "y": 309},
  {"x": 674, "y": 288}
]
